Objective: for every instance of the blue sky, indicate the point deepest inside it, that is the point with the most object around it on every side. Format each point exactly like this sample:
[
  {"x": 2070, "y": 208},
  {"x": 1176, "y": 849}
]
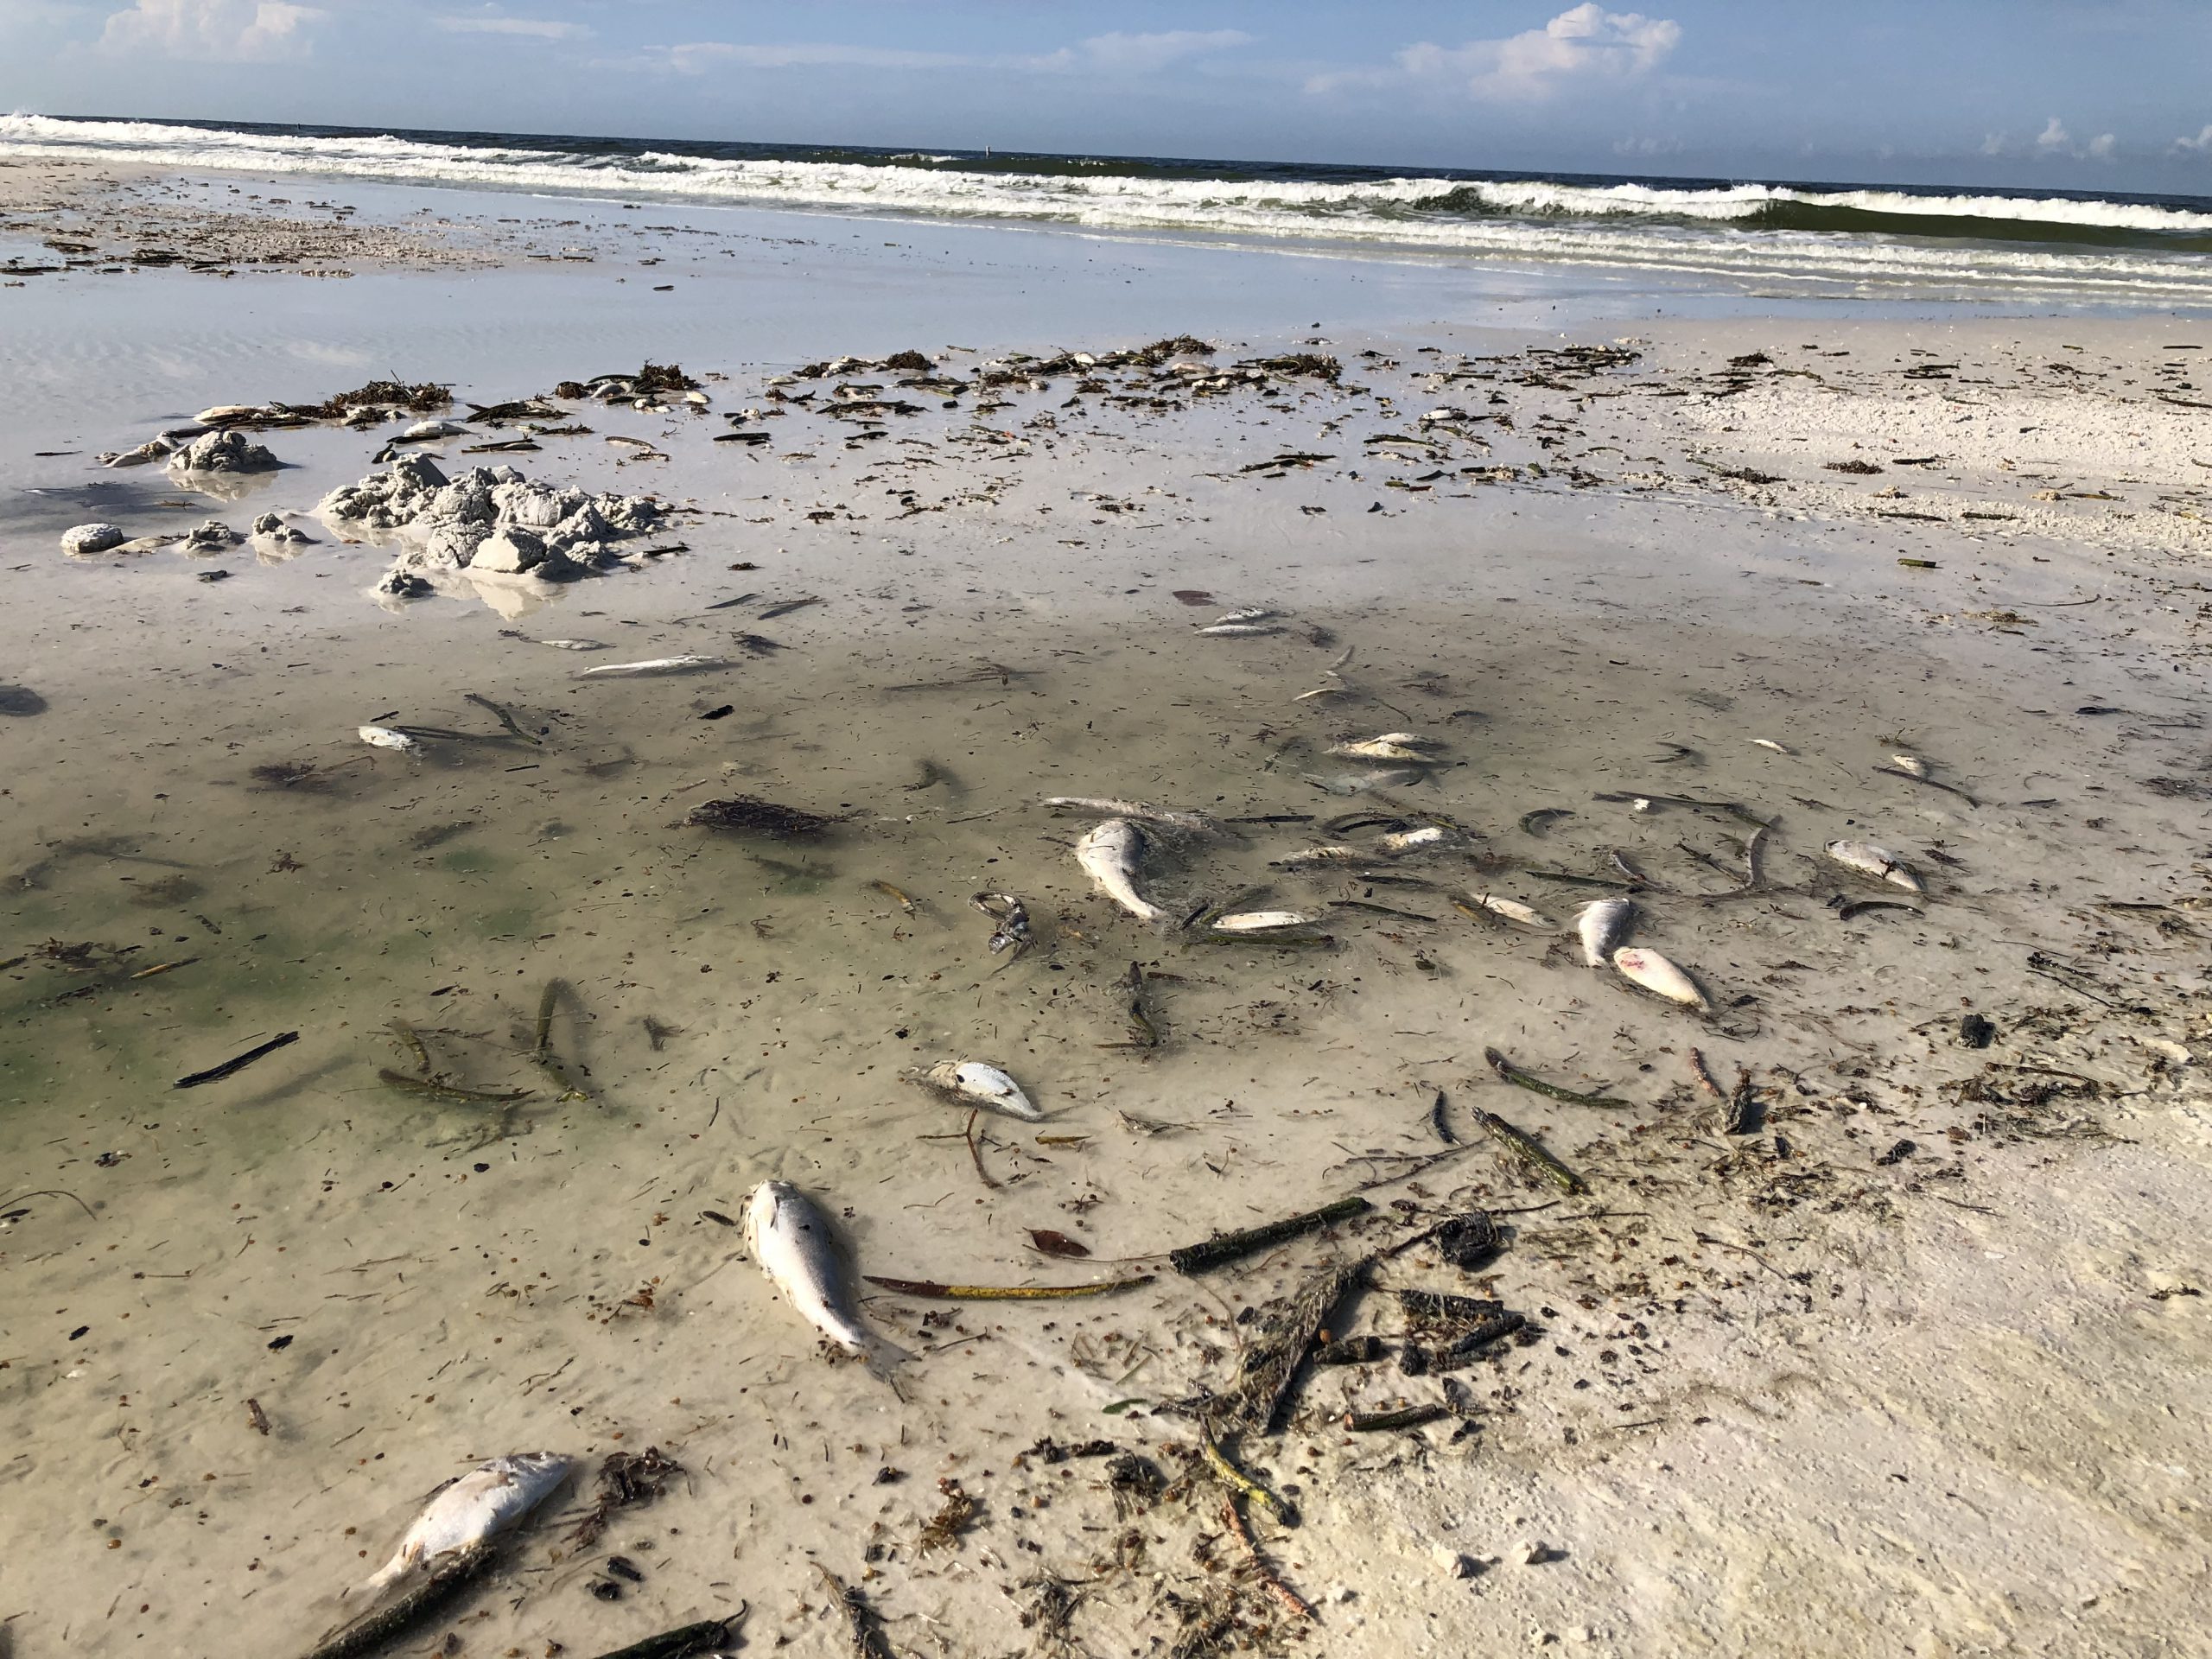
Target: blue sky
[{"x": 2051, "y": 92}]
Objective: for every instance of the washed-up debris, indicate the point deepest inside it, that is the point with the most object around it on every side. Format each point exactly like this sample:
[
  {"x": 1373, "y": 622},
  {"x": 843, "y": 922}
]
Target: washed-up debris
[
  {"x": 686, "y": 1641},
  {"x": 1277, "y": 1350},
  {"x": 749, "y": 815},
  {"x": 91, "y": 538},
  {"x": 438, "y": 1584},
  {"x": 864, "y": 1637},
  {"x": 387, "y": 737},
  {"x": 1519, "y": 1079},
  {"x": 231, "y": 1067},
  {"x": 933, "y": 1290},
  {"x": 488, "y": 519},
  {"x": 1372, "y": 1423},
  {"x": 627, "y": 1480},
  {"x": 1530, "y": 1153},
  {"x": 788, "y": 1236},
  {"x": 651, "y": 668},
  {"x": 1237, "y": 1481},
  {"x": 223, "y": 452},
  {"x": 1224, "y": 1247},
  {"x": 1407, "y": 749},
  {"x": 647, "y": 384},
  {"x": 1012, "y": 931}
]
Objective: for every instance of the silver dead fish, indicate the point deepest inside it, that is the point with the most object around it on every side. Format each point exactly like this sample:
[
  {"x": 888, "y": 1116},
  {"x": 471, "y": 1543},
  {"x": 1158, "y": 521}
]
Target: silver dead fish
[
  {"x": 383, "y": 737},
  {"x": 1655, "y": 973},
  {"x": 1603, "y": 925},
  {"x": 654, "y": 665},
  {"x": 1110, "y": 853},
  {"x": 1407, "y": 746},
  {"x": 789, "y": 1239},
  {"x": 1262, "y": 921},
  {"x": 1512, "y": 909},
  {"x": 978, "y": 1082},
  {"x": 1195, "y": 824},
  {"x": 1864, "y": 858},
  {"x": 1236, "y": 630},
  {"x": 575, "y": 645},
  {"x": 487, "y": 1501}
]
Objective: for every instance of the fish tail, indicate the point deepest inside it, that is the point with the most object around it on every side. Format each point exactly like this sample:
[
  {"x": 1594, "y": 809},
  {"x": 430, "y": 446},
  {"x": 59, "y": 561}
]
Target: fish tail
[{"x": 882, "y": 1358}]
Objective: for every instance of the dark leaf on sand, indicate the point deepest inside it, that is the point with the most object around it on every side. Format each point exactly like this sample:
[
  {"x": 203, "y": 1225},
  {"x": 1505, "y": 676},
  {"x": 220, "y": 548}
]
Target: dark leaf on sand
[
  {"x": 1053, "y": 1243},
  {"x": 21, "y": 700},
  {"x": 1194, "y": 596}
]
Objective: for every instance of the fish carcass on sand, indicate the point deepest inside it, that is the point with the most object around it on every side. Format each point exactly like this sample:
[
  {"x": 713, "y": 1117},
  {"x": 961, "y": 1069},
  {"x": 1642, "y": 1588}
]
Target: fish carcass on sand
[
  {"x": 1512, "y": 909},
  {"x": 1603, "y": 925},
  {"x": 1262, "y": 921},
  {"x": 1660, "y": 976},
  {"x": 1865, "y": 858},
  {"x": 383, "y": 737},
  {"x": 1109, "y": 853},
  {"x": 789, "y": 1239},
  {"x": 653, "y": 665},
  {"x": 1393, "y": 745},
  {"x": 979, "y": 1084},
  {"x": 484, "y": 1503},
  {"x": 1195, "y": 824}
]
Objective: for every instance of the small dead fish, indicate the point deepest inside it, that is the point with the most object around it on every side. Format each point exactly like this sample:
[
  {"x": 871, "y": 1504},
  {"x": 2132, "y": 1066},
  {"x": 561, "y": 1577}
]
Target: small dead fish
[
  {"x": 1197, "y": 823},
  {"x": 654, "y": 665},
  {"x": 1239, "y": 630},
  {"x": 1360, "y": 783},
  {"x": 487, "y": 1501},
  {"x": 1247, "y": 613},
  {"x": 1911, "y": 765},
  {"x": 1654, "y": 973},
  {"x": 1110, "y": 853},
  {"x": 383, "y": 737},
  {"x": 979, "y": 1084},
  {"x": 1013, "y": 933},
  {"x": 1262, "y": 921},
  {"x": 575, "y": 645},
  {"x": 1865, "y": 858},
  {"x": 1413, "y": 841},
  {"x": 1513, "y": 910},
  {"x": 1409, "y": 746},
  {"x": 1339, "y": 691},
  {"x": 1603, "y": 925},
  {"x": 790, "y": 1239},
  {"x": 1769, "y": 743}
]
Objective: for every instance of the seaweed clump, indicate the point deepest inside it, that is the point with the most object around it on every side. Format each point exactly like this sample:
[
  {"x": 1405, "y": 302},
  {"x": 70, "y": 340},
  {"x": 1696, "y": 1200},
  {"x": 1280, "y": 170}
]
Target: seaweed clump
[{"x": 750, "y": 815}]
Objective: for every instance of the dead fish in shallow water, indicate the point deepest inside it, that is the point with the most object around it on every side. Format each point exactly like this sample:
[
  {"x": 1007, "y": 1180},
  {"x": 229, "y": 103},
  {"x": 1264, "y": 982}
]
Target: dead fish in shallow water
[
  {"x": 1413, "y": 841},
  {"x": 1654, "y": 973},
  {"x": 789, "y": 1237},
  {"x": 655, "y": 665},
  {"x": 1865, "y": 858},
  {"x": 1240, "y": 630},
  {"x": 1262, "y": 921},
  {"x": 575, "y": 645},
  {"x": 1247, "y": 613},
  {"x": 1110, "y": 853},
  {"x": 383, "y": 737},
  {"x": 1013, "y": 933},
  {"x": 1361, "y": 783},
  {"x": 487, "y": 1501},
  {"x": 1603, "y": 925},
  {"x": 981, "y": 1084},
  {"x": 1513, "y": 910},
  {"x": 1197, "y": 823},
  {"x": 1410, "y": 747}
]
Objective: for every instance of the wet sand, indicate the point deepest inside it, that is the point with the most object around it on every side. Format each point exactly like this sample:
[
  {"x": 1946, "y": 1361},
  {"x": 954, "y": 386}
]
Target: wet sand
[{"x": 1908, "y": 1366}]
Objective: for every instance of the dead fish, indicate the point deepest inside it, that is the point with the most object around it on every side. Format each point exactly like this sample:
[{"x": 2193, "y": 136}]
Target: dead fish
[
  {"x": 1603, "y": 925},
  {"x": 1196, "y": 823},
  {"x": 1240, "y": 630},
  {"x": 655, "y": 665},
  {"x": 1513, "y": 910},
  {"x": 1337, "y": 690},
  {"x": 1262, "y": 921},
  {"x": 487, "y": 1501},
  {"x": 981, "y": 1084},
  {"x": 383, "y": 737},
  {"x": 1867, "y": 859},
  {"x": 1392, "y": 746},
  {"x": 1652, "y": 971},
  {"x": 1911, "y": 765},
  {"x": 221, "y": 414},
  {"x": 1247, "y": 613},
  {"x": 1109, "y": 853},
  {"x": 575, "y": 645},
  {"x": 1360, "y": 783},
  {"x": 1013, "y": 933},
  {"x": 789, "y": 1237},
  {"x": 1413, "y": 841},
  {"x": 1769, "y": 743}
]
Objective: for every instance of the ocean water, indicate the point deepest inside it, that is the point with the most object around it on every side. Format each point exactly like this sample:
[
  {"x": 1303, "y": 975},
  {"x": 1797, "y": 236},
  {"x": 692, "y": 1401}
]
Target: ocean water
[{"x": 1867, "y": 240}]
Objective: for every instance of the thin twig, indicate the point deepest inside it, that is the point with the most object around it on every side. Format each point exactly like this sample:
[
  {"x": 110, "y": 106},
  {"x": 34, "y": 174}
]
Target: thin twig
[{"x": 1289, "y": 1597}]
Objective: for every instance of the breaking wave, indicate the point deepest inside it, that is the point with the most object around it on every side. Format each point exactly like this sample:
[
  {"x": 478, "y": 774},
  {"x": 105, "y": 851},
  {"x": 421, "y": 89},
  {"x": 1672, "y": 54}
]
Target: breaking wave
[{"x": 1855, "y": 238}]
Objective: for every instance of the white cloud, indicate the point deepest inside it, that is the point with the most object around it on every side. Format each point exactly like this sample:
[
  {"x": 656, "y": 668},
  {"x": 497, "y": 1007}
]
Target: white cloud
[
  {"x": 212, "y": 31},
  {"x": 534, "y": 28},
  {"x": 1585, "y": 44},
  {"x": 1141, "y": 54},
  {"x": 2101, "y": 148},
  {"x": 1995, "y": 144},
  {"x": 2056, "y": 140},
  {"x": 2054, "y": 137},
  {"x": 696, "y": 57},
  {"x": 2201, "y": 143}
]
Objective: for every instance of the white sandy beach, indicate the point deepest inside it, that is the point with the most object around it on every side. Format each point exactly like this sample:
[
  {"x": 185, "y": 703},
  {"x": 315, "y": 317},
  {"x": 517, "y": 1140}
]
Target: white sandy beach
[{"x": 1912, "y": 1365}]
